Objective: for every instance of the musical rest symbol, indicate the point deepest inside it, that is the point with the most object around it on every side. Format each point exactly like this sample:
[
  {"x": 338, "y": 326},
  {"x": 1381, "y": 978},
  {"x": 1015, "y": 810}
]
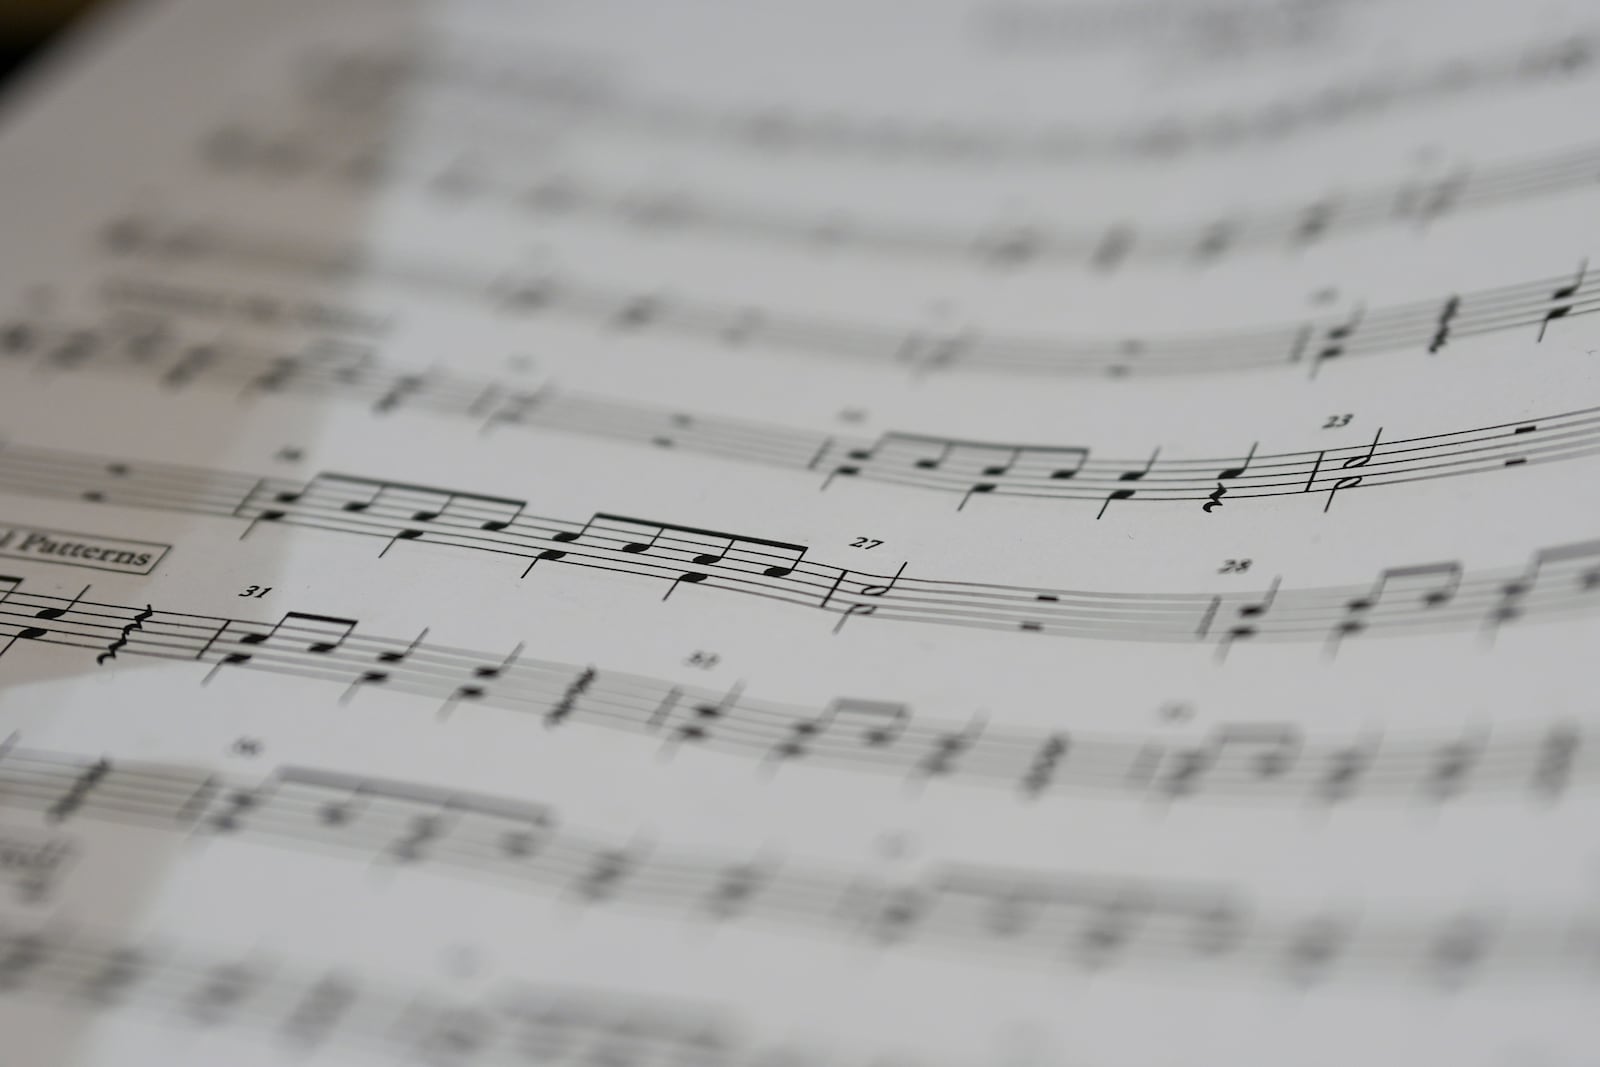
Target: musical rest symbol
[
  {"x": 1441, "y": 333},
  {"x": 78, "y": 793}
]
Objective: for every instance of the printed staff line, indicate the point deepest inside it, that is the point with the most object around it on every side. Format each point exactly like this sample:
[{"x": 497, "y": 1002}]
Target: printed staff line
[
  {"x": 246, "y": 150},
  {"x": 306, "y": 1009},
  {"x": 1558, "y": 582},
  {"x": 955, "y": 466},
  {"x": 354, "y": 81},
  {"x": 1307, "y": 344},
  {"x": 1270, "y": 762},
  {"x": 1000, "y": 915}
]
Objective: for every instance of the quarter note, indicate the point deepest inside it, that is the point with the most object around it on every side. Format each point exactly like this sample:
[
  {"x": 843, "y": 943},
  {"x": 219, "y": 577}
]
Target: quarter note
[
  {"x": 1562, "y": 300},
  {"x": 1336, "y": 338},
  {"x": 1128, "y": 476}
]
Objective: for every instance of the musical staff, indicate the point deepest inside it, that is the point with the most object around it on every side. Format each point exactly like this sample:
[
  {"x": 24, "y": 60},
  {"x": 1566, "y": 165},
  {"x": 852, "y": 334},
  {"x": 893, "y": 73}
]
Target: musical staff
[
  {"x": 1559, "y": 582},
  {"x": 280, "y": 155},
  {"x": 960, "y": 468},
  {"x": 307, "y": 1010},
  {"x": 499, "y": 91},
  {"x": 997, "y": 915},
  {"x": 1306, "y": 345},
  {"x": 1266, "y": 763}
]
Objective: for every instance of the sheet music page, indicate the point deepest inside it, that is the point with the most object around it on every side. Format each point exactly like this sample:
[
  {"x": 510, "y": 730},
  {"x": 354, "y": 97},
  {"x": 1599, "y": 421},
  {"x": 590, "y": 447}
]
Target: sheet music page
[{"x": 854, "y": 533}]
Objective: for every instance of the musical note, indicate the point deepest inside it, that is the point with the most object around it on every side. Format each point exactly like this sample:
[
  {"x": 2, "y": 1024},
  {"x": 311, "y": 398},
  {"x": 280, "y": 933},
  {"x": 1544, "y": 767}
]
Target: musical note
[
  {"x": 1127, "y": 476},
  {"x": 1561, "y": 300},
  {"x": 1349, "y": 481}
]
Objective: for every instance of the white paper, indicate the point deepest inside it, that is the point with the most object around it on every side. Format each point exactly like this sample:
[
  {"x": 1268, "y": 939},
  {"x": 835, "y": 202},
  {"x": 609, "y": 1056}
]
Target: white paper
[{"x": 800, "y": 533}]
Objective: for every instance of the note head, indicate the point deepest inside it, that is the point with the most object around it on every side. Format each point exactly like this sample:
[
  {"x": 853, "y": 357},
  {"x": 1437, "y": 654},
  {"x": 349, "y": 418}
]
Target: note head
[
  {"x": 847, "y": 471},
  {"x": 1130, "y": 476},
  {"x": 494, "y": 525},
  {"x": 287, "y": 498},
  {"x": 1359, "y": 604},
  {"x": 1351, "y": 626},
  {"x": 486, "y": 672},
  {"x": 94, "y": 496},
  {"x": 32, "y": 633},
  {"x": 983, "y": 487},
  {"x": 859, "y": 453},
  {"x": 1064, "y": 474},
  {"x": 1122, "y": 494},
  {"x": 271, "y": 516},
  {"x": 1240, "y": 632},
  {"x": 564, "y": 535},
  {"x": 926, "y": 464},
  {"x": 551, "y": 553},
  {"x": 235, "y": 658},
  {"x": 391, "y": 657},
  {"x": 408, "y": 535},
  {"x": 424, "y": 516},
  {"x": 1437, "y": 598},
  {"x": 693, "y": 576},
  {"x": 355, "y": 505},
  {"x": 322, "y": 647},
  {"x": 374, "y": 676},
  {"x": 706, "y": 559},
  {"x": 50, "y": 613},
  {"x": 778, "y": 572},
  {"x": 635, "y": 547},
  {"x": 1231, "y": 472},
  {"x": 469, "y": 692}
]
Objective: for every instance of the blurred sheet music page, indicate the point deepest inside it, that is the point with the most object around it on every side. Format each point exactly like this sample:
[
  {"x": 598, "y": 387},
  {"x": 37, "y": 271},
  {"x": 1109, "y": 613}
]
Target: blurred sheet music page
[{"x": 846, "y": 533}]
